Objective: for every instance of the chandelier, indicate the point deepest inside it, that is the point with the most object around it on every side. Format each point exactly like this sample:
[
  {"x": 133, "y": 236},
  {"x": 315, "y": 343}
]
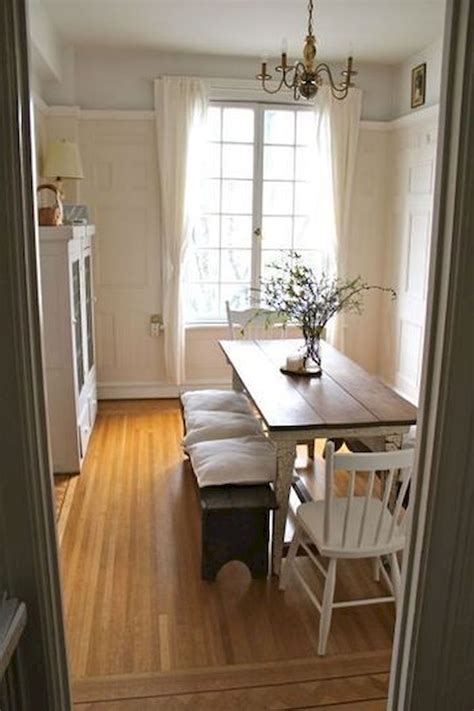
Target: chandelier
[{"x": 304, "y": 78}]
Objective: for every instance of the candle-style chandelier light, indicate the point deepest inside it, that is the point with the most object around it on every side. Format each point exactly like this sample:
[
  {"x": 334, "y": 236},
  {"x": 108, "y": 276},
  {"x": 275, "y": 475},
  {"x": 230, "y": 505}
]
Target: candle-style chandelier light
[{"x": 304, "y": 78}]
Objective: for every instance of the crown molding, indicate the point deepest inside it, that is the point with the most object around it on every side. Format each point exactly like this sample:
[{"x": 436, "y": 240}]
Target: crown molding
[{"x": 243, "y": 90}]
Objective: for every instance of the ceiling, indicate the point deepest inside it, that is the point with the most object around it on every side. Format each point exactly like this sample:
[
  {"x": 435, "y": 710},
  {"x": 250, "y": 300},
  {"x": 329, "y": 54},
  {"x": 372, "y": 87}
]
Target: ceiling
[{"x": 374, "y": 30}]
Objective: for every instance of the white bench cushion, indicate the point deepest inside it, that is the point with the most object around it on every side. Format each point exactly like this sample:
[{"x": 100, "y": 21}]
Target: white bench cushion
[
  {"x": 204, "y": 425},
  {"x": 215, "y": 400},
  {"x": 240, "y": 460}
]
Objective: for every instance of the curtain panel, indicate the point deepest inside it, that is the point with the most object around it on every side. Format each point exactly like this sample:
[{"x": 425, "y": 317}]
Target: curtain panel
[
  {"x": 337, "y": 133},
  {"x": 181, "y": 111}
]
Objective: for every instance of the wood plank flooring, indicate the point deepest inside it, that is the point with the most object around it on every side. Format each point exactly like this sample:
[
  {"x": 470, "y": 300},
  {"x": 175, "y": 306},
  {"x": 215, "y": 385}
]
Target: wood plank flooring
[
  {"x": 61, "y": 483},
  {"x": 135, "y": 604},
  {"x": 290, "y": 684}
]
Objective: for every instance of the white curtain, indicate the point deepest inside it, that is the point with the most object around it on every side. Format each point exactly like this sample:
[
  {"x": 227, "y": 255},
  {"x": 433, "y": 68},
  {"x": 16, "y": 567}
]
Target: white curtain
[
  {"x": 337, "y": 133},
  {"x": 181, "y": 107}
]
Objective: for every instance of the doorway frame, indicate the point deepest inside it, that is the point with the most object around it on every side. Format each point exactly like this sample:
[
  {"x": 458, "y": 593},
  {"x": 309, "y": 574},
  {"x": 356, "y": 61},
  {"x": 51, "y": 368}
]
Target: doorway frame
[
  {"x": 433, "y": 658},
  {"x": 430, "y": 631},
  {"x": 29, "y": 564}
]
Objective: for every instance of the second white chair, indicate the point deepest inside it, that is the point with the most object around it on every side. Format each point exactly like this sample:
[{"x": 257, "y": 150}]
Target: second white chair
[
  {"x": 364, "y": 526},
  {"x": 260, "y": 324}
]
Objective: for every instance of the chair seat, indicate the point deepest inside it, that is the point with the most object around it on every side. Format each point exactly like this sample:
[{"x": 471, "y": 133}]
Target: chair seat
[
  {"x": 311, "y": 517},
  {"x": 239, "y": 460},
  {"x": 205, "y": 425},
  {"x": 226, "y": 400}
]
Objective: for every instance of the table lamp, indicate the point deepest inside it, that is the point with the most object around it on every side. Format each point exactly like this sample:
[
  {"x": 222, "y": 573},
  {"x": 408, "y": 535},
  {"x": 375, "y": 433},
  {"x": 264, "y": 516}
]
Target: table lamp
[{"x": 62, "y": 160}]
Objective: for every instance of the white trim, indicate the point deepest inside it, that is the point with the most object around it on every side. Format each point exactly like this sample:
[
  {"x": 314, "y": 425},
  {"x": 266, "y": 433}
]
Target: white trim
[
  {"x": 150, "y": 390},
  {"x": 431, "y": 112},
  {"x": 65, "y": 111},
  {"x": 375, "y": 125},
  {"x": 116, "y": 115},
  {"x": 245, "y": 90}
]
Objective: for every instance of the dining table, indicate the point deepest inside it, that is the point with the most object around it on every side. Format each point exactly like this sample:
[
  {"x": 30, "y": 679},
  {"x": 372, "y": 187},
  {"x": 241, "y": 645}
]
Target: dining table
[{"x": 345, "y": 402}]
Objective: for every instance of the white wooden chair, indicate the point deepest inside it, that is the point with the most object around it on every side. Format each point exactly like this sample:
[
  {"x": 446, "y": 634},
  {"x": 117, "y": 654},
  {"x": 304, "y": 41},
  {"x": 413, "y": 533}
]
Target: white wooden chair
[
  {"x": 254, "y": 323},
  {"x": 352, "y": 526},
  {"x": 259, "y": 324}
]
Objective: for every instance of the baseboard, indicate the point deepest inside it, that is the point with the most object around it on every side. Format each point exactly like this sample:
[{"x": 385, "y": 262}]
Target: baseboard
[{"x": 151, "y": 390}]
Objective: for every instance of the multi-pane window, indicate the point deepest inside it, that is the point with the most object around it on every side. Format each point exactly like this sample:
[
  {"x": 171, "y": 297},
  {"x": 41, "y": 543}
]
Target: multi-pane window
[
  {"x": 287, "y": 188},
  {"x": 256, "y": 204}
]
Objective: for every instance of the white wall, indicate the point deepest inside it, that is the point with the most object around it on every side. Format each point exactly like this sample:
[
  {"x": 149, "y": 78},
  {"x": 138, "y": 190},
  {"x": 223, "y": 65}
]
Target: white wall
[
  {"x": 367, "y": 243},
  {"x": 45, "y": 45},
  {"x": 432, "y": 56},
  {"x": 120, "y": 187},
  {"x": 112, "y": 79}
]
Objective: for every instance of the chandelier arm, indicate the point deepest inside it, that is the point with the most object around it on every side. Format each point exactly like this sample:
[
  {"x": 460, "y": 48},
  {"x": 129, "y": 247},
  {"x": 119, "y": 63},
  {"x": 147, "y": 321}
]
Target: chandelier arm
[
  {"x": 272, "y": 91},
  {"x": 341, "y": 97},
  {"x": 291, "y": 83},
  {"x": 341, "y": 87}
]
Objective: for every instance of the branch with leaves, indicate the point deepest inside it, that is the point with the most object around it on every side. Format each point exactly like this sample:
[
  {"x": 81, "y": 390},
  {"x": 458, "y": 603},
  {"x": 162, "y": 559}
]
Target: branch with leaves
[{"x": 302, "y": 297}]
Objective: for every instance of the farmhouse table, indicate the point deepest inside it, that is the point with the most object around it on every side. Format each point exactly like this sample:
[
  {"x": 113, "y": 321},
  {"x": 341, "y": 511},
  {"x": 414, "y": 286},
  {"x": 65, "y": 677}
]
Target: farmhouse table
[{"x": 345, "y": 402}]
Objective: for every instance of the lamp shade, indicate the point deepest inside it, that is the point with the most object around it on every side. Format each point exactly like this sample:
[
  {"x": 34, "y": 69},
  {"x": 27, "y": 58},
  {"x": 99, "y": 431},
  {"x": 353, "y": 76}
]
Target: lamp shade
[{"x": 62, "y": 160}]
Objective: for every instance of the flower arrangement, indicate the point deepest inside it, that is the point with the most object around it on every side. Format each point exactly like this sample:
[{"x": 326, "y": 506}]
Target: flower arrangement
[{"x": 301, "y": 297}]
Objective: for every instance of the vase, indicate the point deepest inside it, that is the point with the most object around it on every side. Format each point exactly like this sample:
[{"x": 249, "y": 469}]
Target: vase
[
  {"x": 307, "y": 362},
  {"x": 311, "y": 353}
]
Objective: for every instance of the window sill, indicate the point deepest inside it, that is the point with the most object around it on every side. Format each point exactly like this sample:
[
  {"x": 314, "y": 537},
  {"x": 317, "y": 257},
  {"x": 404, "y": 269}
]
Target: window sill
[{"x": 206, "y": 324}]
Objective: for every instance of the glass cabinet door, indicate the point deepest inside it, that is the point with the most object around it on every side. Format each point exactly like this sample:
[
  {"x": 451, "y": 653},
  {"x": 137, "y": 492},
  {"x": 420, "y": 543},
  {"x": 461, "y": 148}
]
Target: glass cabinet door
[
  {"x": 77, "y": 322},
  {"x": 89, "y": 311}
]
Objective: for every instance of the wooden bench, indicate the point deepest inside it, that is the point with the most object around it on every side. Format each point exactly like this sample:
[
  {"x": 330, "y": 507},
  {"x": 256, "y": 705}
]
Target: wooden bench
[
  {"x": 235, "y": 523},
  {"x": 235, "y": 526}
]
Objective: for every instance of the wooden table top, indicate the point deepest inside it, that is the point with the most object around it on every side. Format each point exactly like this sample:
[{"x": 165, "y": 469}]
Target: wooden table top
[{"x": 344, "y": 397}]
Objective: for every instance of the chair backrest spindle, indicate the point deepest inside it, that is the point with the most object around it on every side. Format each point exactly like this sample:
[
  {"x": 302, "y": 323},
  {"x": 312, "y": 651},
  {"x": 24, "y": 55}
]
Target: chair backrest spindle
[
  {"x": 347, "y": 514},
  {"x": 368, "y": 495},
  {"x": 328, "y": 494},
  {"x": 254, "y": 323},
  {"x": 387, "y": 488},
  {"x": 400, "y": 500}
]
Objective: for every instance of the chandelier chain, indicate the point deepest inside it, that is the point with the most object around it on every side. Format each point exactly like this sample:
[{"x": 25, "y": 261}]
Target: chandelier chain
[{"x": 310, "y": 17}]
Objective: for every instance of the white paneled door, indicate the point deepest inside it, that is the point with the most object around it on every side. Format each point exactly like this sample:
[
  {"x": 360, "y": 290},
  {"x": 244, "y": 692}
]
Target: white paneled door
[{"x": 414, "y": 154}]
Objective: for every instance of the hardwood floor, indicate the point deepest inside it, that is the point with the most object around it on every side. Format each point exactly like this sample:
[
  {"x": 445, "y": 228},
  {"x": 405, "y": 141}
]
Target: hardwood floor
[
  {"x": 61, "y": 483},
  {"x": 137, "y": 610}
]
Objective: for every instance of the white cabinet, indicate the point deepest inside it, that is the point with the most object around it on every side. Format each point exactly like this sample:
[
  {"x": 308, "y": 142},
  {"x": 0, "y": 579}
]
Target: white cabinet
[{"x": 68, "y": 338}]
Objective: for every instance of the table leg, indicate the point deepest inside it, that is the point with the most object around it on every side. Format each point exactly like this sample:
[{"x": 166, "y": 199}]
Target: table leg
[
  {"x": 286, "y": 455},
  {"x": 393, "y": 442},
  {"x": 236, "y": 382}
]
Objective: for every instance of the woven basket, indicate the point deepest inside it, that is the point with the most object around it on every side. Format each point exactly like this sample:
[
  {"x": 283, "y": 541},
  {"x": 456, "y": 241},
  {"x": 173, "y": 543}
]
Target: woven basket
[{"x": 51, "y": 216}]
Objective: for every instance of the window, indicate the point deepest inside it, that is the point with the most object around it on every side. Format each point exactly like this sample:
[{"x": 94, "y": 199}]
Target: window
[{"x": 256, "y": 205}]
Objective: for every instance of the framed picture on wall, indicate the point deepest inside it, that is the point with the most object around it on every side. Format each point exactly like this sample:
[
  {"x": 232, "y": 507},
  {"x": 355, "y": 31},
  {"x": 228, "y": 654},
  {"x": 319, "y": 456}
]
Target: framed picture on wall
[{"x": 418, "y": 85}]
